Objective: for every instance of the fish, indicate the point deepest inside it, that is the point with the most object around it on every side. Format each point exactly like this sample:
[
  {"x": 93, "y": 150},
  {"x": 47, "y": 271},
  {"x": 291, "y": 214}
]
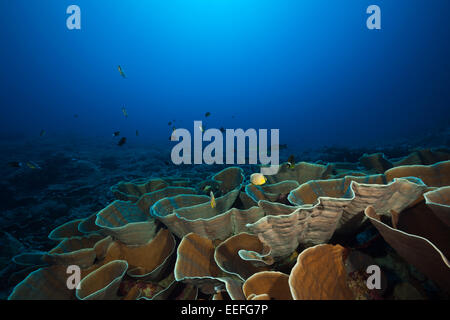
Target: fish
[
  {"x": 42, "y": 133},
  {"x": 170, "y": 123},
  {"x": 15, "y": 164},
  {"x": 291, "y": 161},
  {"x": 206, "y": 189},
  {"x": 116, "y": 134},
  {"x": 258, "y": 179},
  {"x": 75, "y": 116},
  {"x": 125, "y": 113},
  {"x": 122, "y": 141},
  {"x": 121, "y": 72},
  {"x": 213, "y": 200},
  {"x": 137, "y": 133},
  {"x": 207, "y": 114},
  {"x": 33, "y": 165},
  {"x": 222, "y": 130}
]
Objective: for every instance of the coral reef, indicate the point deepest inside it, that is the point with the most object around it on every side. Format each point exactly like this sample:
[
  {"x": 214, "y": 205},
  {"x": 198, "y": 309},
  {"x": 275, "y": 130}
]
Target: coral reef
[{"x": 310, "y": 232}]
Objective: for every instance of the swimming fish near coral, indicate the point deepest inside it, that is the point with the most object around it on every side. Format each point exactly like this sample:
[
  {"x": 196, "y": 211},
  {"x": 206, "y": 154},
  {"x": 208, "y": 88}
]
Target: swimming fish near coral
[
  {"x": 125, "y": 113},
  {"x": 258, "y": 179},
  {"x": 122, "y": 141},
  {"x": 291, "y": 162},
  {"x": 121, "y": 72},
  {"x": 207, "y": 114},
  {"x": 116, "y": 134},
  {"x": 213, "y": 200}
]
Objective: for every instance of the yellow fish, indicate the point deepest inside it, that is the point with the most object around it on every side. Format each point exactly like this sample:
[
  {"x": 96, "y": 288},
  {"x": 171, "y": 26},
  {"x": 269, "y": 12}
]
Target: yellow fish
[
  {"x": 125, "y": 113},
  {"x": 213, "y": 200},
  {"x": 121, "y": 72},
  {"x": 32, "y": 165},
  {"x": 258, "y": 179},
  {"x": 291, "y": 162}
]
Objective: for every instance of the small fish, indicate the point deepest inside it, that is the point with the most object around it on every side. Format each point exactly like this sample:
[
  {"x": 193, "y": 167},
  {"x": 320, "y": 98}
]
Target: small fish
[
  {"x": 207, "y": 114},
  {"x": 75, "y": 116},
  {"x": 121, "y": 72},
  {"x": 33, "y": 165},
  {"x": 15, "y": 164},
  {"x": 122, "y": 141},
  {"x": 291, "y": 162},
  {"x": 116, "y": 134},
  {"x": 293, "y": 257},
  {"x": 42, "y": 133},
  {"x": 125, "y": 113},
  {"x": 170, "y": 123},
  {"x": 213, "y": 200},
  {"x": 258, "y": 179},
  {"x": 137, "y": 133}
]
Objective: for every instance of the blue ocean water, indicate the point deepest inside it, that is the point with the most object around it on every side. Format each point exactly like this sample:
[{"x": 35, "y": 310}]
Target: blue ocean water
[
  {"x": 309, "y": 68},
  {"x": 335, "y": 89}
]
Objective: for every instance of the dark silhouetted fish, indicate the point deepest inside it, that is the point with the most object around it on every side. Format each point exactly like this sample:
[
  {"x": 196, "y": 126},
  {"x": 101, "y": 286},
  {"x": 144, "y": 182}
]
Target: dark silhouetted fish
[
  {"x": 116, "y": 134},
  {"x": 42, "y": 133},
  {"x": 291, "y": 161},
  {"x": 207, "y": 114},
  {"x": 15, "y": 164},
  {"x": 122, "y": 141}
]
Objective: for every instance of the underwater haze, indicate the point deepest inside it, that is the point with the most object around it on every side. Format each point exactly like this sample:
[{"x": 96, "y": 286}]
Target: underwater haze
[
  {"x": 103, "y": 196},
  {"x": 309, "y": 68}
]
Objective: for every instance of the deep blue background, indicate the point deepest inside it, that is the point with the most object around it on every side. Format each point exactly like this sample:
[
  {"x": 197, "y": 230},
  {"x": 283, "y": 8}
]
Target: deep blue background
[{"x": 310, "y": 68}]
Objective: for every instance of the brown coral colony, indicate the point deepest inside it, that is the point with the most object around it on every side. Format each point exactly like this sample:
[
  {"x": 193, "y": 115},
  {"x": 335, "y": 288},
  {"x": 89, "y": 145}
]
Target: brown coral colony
[{"x": 310, "y": 232}]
